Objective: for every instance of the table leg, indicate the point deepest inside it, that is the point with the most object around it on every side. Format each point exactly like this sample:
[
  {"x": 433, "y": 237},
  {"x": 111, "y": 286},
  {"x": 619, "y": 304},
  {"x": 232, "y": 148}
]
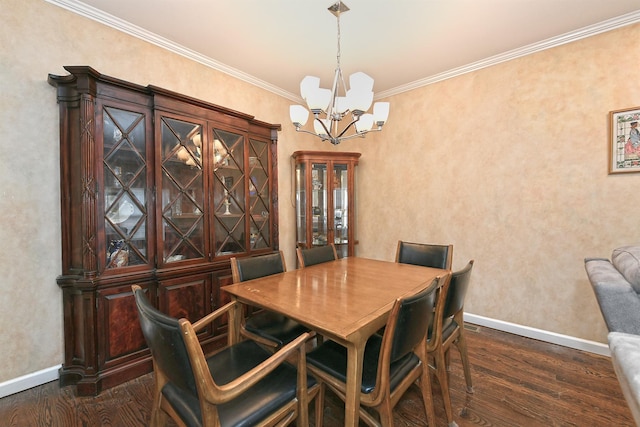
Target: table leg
[
  {"x": 355, "y": 356},
  {"x": 235, "y": 320}
]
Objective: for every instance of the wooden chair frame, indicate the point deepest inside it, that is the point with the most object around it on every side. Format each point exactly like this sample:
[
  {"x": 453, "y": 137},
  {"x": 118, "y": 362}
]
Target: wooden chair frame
[
  {"x": 382, "y": 399},
  {"x": 438, "y": 347},
  {"x": 212, "y": 394}
]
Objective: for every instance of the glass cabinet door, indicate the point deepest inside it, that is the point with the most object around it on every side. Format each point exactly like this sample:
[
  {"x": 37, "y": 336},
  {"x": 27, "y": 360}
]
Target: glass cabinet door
[
  {"x": 301, "y": 204},
  {"x": 125, "y": 190},
  {"x": 259, "y": 195},
  {"x": 182, "y": 191},
  {"x": 341, "y": 207},
  {"x": 228, "y": 192},
  {"x": 319, "y": 204}
]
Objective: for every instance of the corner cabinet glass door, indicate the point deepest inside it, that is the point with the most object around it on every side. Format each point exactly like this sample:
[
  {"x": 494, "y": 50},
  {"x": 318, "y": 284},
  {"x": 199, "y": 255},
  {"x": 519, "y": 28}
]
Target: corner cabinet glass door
[
  {"x": 325, "y": 200},
  {"x": 125, "y": 173},
  {"x": 341, "y": 205}
]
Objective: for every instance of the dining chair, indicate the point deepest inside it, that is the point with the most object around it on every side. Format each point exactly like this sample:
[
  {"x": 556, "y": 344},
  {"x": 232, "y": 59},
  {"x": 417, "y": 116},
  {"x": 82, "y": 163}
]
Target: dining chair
[
  {"x": 267, "y": 327},
  {"x": 239, "y": 385},
  {"x": 425, "y": 254},
  {"x": 316, "y": 255},
  {"x": 392, "y": 362},
  {"x": 448, "y": 329}
]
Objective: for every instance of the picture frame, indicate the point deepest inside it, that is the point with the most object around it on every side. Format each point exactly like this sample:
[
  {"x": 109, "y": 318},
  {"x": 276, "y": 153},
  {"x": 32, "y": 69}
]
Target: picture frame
[{"x": 624, "y": 140}]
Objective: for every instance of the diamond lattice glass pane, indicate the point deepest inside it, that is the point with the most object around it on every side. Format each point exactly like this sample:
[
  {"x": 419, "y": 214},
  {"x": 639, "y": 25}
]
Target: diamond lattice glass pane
[
  {"x": 182, "y": 190},
  {"x": 229, "y": 234},
  {"x": 230, "y": 147},
  {"x": 229, "y": 192},
  {"x": 183, "y": 239},
  {"x": 124, "y": 187}
]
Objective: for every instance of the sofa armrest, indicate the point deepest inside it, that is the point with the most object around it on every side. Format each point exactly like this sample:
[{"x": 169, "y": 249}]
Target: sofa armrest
[
  {"x": 625, "y": 355},
  {"x": 619, "y": 303}
]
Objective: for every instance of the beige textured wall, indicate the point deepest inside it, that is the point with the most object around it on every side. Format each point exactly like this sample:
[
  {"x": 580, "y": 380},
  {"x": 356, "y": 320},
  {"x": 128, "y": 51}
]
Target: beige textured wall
[{"x": 507, "y": 163}]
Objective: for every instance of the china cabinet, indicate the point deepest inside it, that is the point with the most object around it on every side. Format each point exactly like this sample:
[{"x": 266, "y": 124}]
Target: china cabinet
[
  {"x": 325, "y": 199},
  {"x": 157, "y": 189}
]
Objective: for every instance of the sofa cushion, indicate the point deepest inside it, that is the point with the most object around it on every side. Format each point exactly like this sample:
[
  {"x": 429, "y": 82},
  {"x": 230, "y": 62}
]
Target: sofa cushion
[
  {"x": 627, "y": 261},
  {"x": 618, "y": 302}
]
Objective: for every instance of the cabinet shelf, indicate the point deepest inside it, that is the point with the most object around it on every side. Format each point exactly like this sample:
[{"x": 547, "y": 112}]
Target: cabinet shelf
[
  {"x": 232, "y": 215},
  {"x": 187, "y": 216}
]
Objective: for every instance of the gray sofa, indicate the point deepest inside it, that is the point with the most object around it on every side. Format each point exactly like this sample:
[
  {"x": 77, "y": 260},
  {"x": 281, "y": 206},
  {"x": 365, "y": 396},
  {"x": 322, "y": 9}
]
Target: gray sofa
[{"x": 616, "y": 284}]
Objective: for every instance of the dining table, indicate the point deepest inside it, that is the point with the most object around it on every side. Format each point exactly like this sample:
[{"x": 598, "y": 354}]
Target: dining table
[{"x": 346, "y": 300}]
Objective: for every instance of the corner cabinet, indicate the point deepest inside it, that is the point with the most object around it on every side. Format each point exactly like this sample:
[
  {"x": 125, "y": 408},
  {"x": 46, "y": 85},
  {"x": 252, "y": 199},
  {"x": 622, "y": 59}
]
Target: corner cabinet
[
  {"x": 325, "y": 199},
  {"x": 158, "y": 189}
]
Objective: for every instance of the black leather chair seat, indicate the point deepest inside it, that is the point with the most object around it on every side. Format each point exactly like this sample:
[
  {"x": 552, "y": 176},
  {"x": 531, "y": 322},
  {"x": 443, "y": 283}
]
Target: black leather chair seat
[
  {"x": 331, "y": 358},
  {"x": 252, "y": 406},
  {"x": 274, "y": 327}
]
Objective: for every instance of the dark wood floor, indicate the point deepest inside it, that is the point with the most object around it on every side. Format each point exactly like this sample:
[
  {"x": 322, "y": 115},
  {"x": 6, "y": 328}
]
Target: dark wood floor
[{"x": 518, "y": 382}]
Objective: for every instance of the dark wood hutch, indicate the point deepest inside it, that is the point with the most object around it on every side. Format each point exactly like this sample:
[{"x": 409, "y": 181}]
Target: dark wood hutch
[{"x": 158, "y": 189}]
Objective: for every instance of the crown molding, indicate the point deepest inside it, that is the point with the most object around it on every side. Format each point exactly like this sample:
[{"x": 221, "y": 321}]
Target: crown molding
[
  {"x": 592, "y": 30},
  {"x": 140, "y": 33},
  {"x": 135, "y": 31}
]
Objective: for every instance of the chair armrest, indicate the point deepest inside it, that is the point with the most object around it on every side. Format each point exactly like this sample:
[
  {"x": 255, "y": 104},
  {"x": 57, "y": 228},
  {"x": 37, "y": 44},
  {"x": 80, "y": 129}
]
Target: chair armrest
[
  {"x": 241, "y": 384},
  {"x": 213, "y": 316}
]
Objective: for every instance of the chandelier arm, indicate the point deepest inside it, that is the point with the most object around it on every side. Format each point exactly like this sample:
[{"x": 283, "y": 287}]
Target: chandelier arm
[
  {"x": 359, "y": 134},
  {"x": 313, "y": 133},
  {"x": 324, "y": 127},
  {"x": 355, "y": 135},
  {"x": 346, "y": 128}
]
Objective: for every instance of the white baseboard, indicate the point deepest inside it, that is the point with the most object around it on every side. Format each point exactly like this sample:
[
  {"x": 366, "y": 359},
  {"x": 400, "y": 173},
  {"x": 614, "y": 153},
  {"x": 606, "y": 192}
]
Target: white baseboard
[
  {"x": 539, "y": 334},
  {"x": 28, "y": 381},
  {"x": 44, "y": 376}
]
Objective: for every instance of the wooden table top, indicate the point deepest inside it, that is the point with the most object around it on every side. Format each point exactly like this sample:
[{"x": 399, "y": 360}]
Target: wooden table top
[{"x": 347, "y": 299}]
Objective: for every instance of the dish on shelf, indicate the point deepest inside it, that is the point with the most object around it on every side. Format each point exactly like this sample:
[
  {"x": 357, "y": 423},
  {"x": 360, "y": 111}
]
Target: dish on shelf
[{"x": 124, "y": 211}]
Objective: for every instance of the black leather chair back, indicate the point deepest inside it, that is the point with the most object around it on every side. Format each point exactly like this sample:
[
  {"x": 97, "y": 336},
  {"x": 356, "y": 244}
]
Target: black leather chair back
[
  {"x": 426, "y": 255},
  {"x": 458, "y": 290},
  {"x": 415, "y": 316},
  {"x": 259, "y": 266},
  {"x": 164, "y": 339},
  {"x": 317, "y": 255}
]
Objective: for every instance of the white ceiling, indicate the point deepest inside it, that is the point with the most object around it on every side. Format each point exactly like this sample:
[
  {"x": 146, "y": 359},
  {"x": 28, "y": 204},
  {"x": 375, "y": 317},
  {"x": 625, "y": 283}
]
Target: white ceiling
[{"x": 400, "y": 43}]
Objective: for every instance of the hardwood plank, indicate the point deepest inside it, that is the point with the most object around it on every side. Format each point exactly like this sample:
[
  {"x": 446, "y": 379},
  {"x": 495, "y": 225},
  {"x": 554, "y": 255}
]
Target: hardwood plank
[{"x": 517, "y": 381}]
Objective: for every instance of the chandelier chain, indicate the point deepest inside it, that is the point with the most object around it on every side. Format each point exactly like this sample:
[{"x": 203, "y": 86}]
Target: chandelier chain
[{"x": 338, "y": 54}]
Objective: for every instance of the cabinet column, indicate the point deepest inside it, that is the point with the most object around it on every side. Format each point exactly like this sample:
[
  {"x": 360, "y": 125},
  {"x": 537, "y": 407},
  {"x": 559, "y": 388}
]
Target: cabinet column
[{"x": 89, "y": 185}]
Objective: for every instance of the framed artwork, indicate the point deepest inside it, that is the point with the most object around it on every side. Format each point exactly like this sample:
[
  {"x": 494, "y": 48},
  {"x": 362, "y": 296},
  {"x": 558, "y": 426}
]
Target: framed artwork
[{"x": 624, "y": 150}]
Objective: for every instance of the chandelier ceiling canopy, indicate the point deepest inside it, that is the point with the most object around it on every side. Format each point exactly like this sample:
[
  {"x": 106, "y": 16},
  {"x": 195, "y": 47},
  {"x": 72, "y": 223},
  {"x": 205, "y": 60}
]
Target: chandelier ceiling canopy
[{"x": 331, "y": 106}]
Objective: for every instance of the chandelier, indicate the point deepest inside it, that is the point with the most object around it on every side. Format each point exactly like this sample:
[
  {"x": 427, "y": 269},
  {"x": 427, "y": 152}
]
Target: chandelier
[{"x": 330, "y": 106}]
